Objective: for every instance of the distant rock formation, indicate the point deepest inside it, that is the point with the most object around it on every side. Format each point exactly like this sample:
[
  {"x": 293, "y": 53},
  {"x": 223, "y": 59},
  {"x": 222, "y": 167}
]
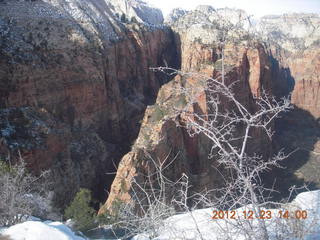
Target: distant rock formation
[
  {"x": 138, "y": 9},
  {"x": 175, "y": 14},
  {"x": 298, "y": 36}
]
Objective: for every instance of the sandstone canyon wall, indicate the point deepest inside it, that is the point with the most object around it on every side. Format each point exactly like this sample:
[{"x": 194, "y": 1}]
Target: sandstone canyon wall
[{"x": 75, "y": 82}]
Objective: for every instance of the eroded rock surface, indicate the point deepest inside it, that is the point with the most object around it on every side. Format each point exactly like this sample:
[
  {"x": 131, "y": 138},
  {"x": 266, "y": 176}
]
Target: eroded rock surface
[
  {"x": 138, "y": 9},
  {"x": 89, "y": 72},
  {"x": 278, "y": 66}
]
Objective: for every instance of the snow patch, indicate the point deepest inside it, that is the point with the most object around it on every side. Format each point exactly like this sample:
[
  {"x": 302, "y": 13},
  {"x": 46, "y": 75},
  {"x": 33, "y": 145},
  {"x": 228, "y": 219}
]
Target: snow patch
[
  {"x": 199, "y": 222},
  {"x": 35, "y": 230}
]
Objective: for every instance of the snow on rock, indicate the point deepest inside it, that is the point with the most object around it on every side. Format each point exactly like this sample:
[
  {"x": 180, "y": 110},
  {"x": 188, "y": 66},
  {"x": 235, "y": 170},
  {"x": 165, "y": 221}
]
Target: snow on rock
[
  {"x": 141, "y": 10},
  {"x": 195, "y": 23},
  {"x": 35, "y": 230},
  {"x": 301, "y": 27},
  {"x": 141, "y": 237},
  {"x": 175, "y": 14},
  {"x": 308, "y": 200}
]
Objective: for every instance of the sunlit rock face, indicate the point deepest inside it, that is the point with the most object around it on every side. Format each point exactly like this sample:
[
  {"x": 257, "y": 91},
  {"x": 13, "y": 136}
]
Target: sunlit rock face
[
  {"x": 83, "y": 76},
  {"x": 137, "y": 9},
  {"x": 174, "y": 15}
]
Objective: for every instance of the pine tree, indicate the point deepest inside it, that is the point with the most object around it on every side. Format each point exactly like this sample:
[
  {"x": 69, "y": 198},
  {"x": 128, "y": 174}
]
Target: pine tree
[{"x": 80, "y": 211}]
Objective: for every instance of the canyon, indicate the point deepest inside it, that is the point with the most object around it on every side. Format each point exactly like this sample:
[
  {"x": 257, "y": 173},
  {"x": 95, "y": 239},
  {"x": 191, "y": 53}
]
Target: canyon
[{"x": 78, "y": 96}]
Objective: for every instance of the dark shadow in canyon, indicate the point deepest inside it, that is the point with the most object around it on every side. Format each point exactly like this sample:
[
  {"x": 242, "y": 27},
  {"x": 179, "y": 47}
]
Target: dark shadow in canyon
[
  {"x": 130, "y": 126},
  {"x": 282, "y": 81},
  {"x": 296, "y": 133}
]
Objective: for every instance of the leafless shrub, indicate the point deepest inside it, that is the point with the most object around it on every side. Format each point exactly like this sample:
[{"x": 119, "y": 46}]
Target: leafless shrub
[
  {"x": 152, "y": 200},
  {"x": 229, "y": 127},
  {"x": 21, "y": 193}
]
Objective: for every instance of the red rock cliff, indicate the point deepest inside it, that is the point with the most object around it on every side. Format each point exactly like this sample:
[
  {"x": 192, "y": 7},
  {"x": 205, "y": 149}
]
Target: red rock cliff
[{"x": 84, "y": 77}]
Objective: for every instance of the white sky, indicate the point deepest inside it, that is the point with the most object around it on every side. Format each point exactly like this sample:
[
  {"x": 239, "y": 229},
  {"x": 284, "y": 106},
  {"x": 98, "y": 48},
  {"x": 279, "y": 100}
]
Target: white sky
[{"x": 257, "y": 8}]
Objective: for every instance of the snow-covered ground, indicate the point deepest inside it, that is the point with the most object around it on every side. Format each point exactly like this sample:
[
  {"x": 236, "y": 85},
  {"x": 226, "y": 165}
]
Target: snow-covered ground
[
  {"x": 191, "y": 225},
  {"x": 36, "y": 230}
]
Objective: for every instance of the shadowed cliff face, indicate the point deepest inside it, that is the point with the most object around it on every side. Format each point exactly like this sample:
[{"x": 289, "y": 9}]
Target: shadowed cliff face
[
  {"x": 298, "y": 131},
  {"x": 305, "y": 69},
  {"x": 82, "y": 85}
]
